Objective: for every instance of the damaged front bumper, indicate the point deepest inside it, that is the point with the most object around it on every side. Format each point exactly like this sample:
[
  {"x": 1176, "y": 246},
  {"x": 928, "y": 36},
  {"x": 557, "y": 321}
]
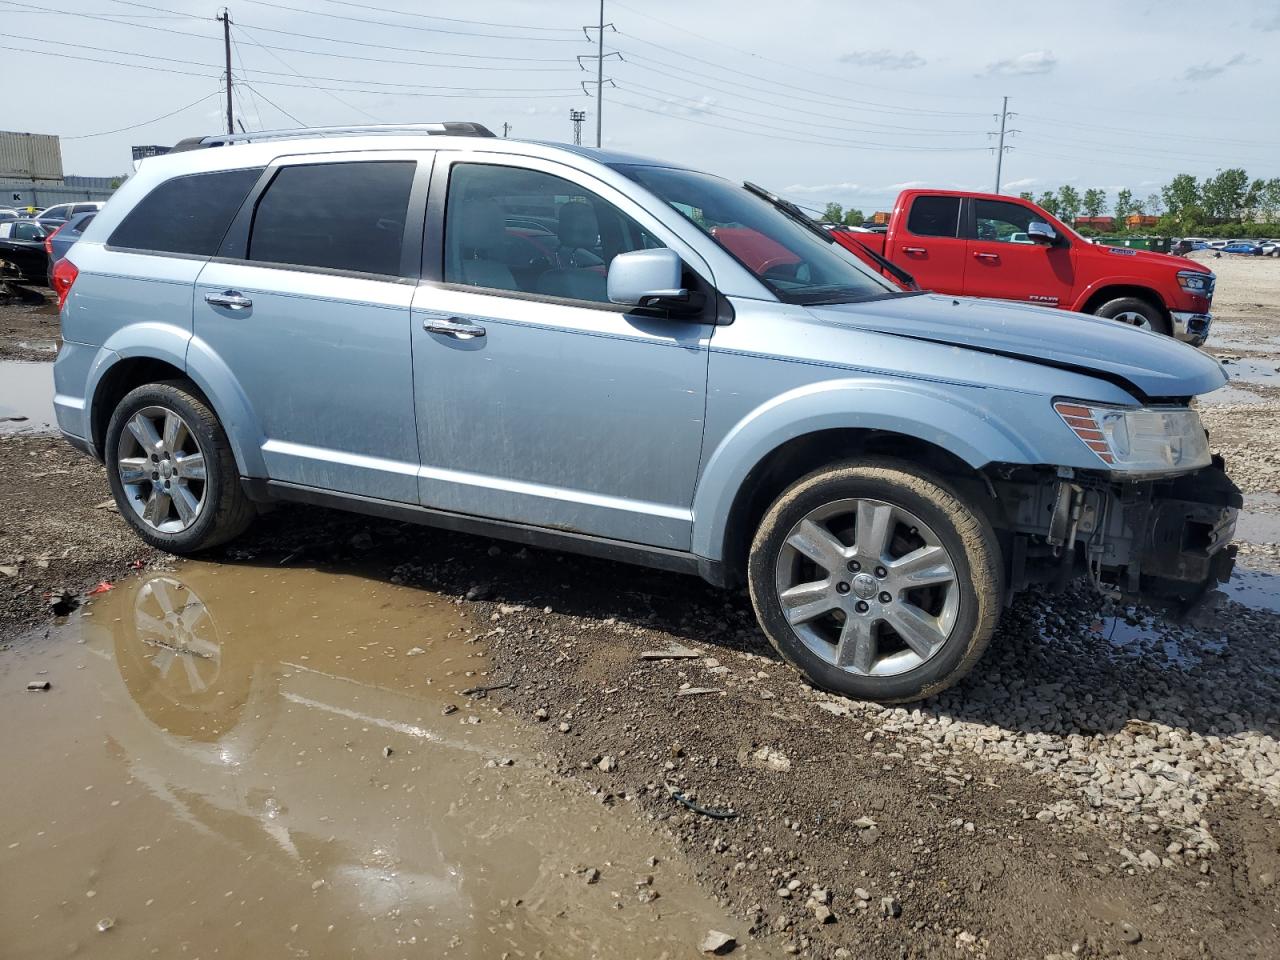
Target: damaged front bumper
[{"x": 1153, "y": 539}]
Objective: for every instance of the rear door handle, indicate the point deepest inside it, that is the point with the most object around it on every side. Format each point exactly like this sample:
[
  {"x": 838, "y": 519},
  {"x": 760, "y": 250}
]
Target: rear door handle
[
  {"x": 453, "y": 327},
  {"x": 914, "y": 250},
  {"x": 232, "y": 299},
  {"x": 986, "y": 256}
]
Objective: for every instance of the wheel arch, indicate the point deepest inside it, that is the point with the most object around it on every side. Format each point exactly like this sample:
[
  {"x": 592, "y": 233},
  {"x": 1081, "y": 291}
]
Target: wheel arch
[
  {"x": 1093, "y": 299},
  {"x": 773, "y": 448}
]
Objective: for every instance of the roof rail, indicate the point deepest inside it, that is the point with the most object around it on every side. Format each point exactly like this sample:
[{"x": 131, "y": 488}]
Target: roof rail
[{"x": 450, "y": 128}]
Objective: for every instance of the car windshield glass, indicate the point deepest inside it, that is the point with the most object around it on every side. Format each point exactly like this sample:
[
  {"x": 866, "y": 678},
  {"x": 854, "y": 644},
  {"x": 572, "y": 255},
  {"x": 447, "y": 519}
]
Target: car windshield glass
[{"x": 797, "y": 264}]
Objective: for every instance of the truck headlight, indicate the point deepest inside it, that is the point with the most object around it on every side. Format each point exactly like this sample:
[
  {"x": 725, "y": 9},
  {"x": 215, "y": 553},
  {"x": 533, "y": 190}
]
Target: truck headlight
[
  {"x": 1193, "y": 281},
  {"x": 1139, "y": 440}
]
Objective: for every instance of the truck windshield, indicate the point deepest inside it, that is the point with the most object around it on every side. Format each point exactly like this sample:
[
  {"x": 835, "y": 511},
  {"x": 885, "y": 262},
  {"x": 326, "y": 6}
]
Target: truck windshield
[{"x": 797, "y": 264}]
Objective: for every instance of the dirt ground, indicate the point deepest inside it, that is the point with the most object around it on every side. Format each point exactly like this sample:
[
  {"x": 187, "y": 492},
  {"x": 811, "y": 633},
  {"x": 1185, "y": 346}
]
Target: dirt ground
[{"x": 1105, "y": 784}]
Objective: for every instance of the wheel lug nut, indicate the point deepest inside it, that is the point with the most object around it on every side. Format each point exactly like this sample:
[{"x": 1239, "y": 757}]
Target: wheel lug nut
[
  {"x": 885, "y": 597},
  {"x": 166, "y": 484},
  {"x": 155, "y": 476},
  {"x": 854, "y": 566},
  {"x": 861, "y": 606},
  {"x": 842, "y": 587},
  {"x": 881, "y": 572}
]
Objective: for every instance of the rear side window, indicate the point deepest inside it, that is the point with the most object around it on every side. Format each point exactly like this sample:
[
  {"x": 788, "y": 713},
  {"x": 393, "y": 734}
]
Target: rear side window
[
  {"x": 934, "y": 217},
  {"x": 83, "y": 208},
  {"x": 343, "y": 216},
  {"x": 186, "y": 214}
]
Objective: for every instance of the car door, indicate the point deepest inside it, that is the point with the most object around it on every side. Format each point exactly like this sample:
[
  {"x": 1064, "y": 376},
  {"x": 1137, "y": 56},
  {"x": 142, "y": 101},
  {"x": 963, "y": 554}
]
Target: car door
[
  {"x": 1006, "y": 268},
  {"x": 308, "y": 307},
  {"x": 929, "y": 246},
  {"x": 539, "y": 402}
]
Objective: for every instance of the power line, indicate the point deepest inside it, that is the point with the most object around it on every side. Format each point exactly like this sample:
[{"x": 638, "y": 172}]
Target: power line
[
  {"x": 431, "y": 16},
  {"x": 409, "y": 26},
  {"x": 276, "y": 105},
  {"x": 327, "y": 92},
  {"x": 135, "y": 126}
]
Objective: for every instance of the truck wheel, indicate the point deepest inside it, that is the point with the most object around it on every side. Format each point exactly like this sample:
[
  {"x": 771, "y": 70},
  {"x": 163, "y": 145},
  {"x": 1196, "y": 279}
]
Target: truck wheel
[
  {"x": 171, "y": 469},
  {"x": 876, "y": 580},
  {"x": 1135, "y": 312}
]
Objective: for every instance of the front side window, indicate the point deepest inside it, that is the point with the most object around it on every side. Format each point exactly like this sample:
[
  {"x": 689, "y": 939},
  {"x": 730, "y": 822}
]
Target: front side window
[
  {"x": 340, "y": 216},
  {"x": 186, "y": 215},
  {"x": 508, "y": 228},
  {"x": 28, "y": 231},
  {"x": 795, "y": 263},
  {"x": 934, "y": 217},
  {"x": 999, "y": 222}
]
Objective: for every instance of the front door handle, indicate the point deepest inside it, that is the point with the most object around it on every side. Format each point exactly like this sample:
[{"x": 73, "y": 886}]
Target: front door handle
[
  {"x": 914, "y": 250},
  {"x": 229, "y": 298},
  {"x": 986, "y": 256},
  {"x": 453, "y": 327}
]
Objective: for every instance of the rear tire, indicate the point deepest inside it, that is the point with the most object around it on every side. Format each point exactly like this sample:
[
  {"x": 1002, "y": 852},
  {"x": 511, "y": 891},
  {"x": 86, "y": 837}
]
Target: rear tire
[
  {"x": 877, "y": 580},
  {"x": 171, "y": 469},
  {"x": 1135, "y": 312}
]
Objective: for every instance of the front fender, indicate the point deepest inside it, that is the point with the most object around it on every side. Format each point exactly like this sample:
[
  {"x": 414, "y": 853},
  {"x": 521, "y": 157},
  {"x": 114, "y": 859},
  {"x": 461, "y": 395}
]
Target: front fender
[
  {"x": 1116, "y": 280},
  {"x": 176, "y": 347},
  {"x": 946, "y": 419}
]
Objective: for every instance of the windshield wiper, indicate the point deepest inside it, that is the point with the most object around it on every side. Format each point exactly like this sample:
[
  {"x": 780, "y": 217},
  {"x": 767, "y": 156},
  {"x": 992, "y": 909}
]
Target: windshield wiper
[{"x": 806, "y": 221}]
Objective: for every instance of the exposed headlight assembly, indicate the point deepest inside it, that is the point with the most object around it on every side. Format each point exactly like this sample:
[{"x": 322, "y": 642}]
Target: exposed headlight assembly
[
  {"x": 1139, "y": 440},
  {"x": 1194, "y": 281}
]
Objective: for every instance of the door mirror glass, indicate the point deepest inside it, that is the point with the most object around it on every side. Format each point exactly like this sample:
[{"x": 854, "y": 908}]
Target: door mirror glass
[
  {"x": 647, "y": 278},
  {"x": 1041, "y": 232}
]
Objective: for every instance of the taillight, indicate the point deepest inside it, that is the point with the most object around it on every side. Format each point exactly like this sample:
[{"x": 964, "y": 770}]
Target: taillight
[
  {"x": 64, "y": 275},
  {"x": 48, "y": 241}
]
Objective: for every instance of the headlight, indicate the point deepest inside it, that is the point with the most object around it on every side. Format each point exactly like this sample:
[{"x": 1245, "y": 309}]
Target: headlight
[
  {"x": 1193, "y": 281},
  {"x": 1139, "y": 440}
]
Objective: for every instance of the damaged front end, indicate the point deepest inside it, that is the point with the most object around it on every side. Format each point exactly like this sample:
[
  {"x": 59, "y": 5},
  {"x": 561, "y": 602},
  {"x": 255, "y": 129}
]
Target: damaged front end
[{"x": 1166, "y": 539}]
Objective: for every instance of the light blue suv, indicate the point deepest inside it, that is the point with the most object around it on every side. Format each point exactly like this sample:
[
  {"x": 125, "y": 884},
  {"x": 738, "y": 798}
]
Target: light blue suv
[{"x": 597, "y": 352}]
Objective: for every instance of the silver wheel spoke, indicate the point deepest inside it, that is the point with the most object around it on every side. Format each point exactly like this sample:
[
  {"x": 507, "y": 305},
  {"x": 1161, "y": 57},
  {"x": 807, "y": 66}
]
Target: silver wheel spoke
[
  {"x": 144, "y": 431},
  {"x": 806, "y": 601},
  {"x": 856, "y": 648},
  {"x": 134, "y": 469},
  {"x": 918, "y": 630},
  {"x": 185, "y": 502},
  {"x": 875, "y": 524},
  {"x": 157, "y": 509},
  {"x": 819, "y": 545},
  {"x": 190, "y": 467},
  {"x": 921, "y": 568},
  {"x": 174, "y": 431}
]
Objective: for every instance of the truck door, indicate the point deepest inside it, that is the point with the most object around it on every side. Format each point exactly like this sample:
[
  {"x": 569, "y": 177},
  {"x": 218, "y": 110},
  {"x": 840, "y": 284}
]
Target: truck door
[
  {"x": 1005, "y": 264},
  {"x": 929, "y": 246}
]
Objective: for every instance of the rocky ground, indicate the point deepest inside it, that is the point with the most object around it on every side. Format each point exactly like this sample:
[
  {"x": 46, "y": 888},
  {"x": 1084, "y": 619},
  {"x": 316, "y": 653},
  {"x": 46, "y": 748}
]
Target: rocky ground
[{"x": 1105, "y": 784}]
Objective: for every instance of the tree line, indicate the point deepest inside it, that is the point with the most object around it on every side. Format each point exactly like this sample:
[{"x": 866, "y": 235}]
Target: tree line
[{"x": 1229, "y": 203}]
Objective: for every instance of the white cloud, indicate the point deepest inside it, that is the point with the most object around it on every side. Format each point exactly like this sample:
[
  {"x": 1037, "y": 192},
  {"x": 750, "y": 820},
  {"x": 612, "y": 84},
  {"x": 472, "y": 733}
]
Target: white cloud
[
  {"x": 819, "y": 188},
  {"x": 885, "y": 59},
  {"x": 1023, "y": 65},
  {"x": 1207, "y": 71},
  {"x": 1022, "y": 184}
]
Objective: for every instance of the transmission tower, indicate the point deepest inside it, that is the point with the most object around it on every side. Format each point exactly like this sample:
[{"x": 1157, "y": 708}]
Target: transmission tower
[{"x": 577, "y": 116}]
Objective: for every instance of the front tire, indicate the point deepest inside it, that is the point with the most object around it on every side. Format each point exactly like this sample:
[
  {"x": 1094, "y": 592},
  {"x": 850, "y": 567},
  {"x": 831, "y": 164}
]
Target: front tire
[
  {"x": 171, "y": 469},
  {"x": 1135, "y": 312},
  {"x": 877, "y": 580}
]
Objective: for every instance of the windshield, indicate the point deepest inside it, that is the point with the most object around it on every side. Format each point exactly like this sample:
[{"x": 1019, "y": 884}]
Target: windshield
[{"x": 797, "y": 264}]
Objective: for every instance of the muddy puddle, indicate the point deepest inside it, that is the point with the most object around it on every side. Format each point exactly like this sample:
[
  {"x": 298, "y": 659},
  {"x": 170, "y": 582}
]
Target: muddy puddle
[
  {"x": 245, "y": 761},
  {"x": 26, "y": 397}
]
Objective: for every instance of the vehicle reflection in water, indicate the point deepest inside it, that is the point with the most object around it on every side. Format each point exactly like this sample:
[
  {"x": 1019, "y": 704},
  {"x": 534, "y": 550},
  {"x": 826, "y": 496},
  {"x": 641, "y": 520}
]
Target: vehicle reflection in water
[{"x": 210, "y": 773}]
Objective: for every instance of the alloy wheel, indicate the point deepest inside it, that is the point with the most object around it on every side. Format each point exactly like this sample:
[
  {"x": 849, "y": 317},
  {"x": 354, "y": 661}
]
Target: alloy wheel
[
  {"x": 868, "y": 587},
  {"x": 162, "y": 469},
  {"x": 1134, "y": 319}
]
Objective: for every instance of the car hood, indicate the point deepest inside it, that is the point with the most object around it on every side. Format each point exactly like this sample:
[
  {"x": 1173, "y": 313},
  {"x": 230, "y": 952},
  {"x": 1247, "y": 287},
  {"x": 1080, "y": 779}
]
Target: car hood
[
  {"x": 1149, "y": 364},
  {"x": 1148, "y": 257}
]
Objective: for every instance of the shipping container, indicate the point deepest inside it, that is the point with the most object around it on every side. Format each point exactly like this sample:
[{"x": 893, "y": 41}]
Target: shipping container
[{"x": 30, "y": 156}]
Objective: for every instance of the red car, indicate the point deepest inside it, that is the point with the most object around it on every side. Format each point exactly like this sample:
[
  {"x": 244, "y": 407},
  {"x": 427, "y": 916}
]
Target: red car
[{"x": 988, "y": 245}]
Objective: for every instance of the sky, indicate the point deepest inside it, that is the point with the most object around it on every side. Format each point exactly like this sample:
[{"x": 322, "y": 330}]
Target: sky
[{"x": 820, "y": 100}]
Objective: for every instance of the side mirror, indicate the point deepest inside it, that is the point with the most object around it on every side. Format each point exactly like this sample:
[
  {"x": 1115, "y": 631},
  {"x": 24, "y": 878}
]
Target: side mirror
[
  {"x": 647, "y": 278},
  {"x": 1041, "y": 232}
]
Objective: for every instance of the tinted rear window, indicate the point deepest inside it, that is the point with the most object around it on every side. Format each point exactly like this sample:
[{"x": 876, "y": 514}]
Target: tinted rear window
[
  {"x": 343, "y": 216},
  {"x": 934, "y": 216},
  {"x": 186, "y": 214}
]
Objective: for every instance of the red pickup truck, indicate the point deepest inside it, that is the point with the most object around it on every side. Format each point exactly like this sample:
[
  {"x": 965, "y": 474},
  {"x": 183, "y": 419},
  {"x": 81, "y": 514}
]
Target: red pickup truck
[{"x": 987, "y": 245}]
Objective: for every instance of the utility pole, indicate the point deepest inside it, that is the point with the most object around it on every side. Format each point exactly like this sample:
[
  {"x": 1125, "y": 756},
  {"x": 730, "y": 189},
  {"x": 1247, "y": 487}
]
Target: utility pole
[
  {"x": 577, "y": 116},
  {"x": 600, "y": 58},
  {"x": 225, "y": 18},
  {"x": 1003, "y": 117},
  {"x": 506, "y": 128}
]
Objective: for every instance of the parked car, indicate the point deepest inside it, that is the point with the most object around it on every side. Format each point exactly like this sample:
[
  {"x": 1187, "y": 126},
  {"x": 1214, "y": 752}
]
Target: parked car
[
  {"x": 8, "y": 213},
  {"x": 1249, "y": 247},
  {"x": 59, "y": 242},
  {"x": 1180, "y": 248},
  {"x": 972, "y": 244},
  {"x": 1271, "y": 248},
  {"x": 22, "y": 250},
  {"x": 62, "y": 212},
  {"x": 883, "y": 468}
]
